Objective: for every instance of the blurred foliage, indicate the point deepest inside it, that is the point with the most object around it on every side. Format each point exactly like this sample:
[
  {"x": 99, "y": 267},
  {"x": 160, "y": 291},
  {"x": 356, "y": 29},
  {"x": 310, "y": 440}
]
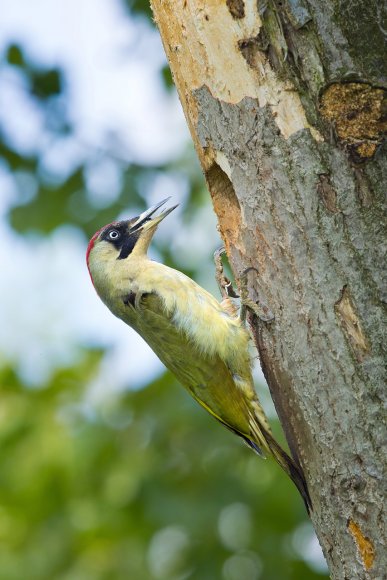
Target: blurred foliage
[
  {"x": 141, "y": 7},
  {"x": 62, "y": 200},
  {"x": 147, "y": 486},
  {"x": 135, "y": 489},
  {"x": 42, "y": 83}
]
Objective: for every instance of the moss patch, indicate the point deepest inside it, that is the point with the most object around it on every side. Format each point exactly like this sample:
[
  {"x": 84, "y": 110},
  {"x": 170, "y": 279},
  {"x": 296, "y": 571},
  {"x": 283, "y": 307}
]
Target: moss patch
[{"x": 358, "y": 112}]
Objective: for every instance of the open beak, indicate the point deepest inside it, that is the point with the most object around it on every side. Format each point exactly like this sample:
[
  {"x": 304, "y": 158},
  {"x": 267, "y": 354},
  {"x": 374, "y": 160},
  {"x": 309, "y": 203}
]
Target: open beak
[{"x": 146, "y": 221}]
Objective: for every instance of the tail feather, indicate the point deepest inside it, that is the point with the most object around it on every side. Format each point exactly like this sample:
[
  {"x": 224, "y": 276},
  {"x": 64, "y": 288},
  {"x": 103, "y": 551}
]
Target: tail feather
[
  {"x": 287, "y": 464},
  {"x": 254, "y": 447},
  {"x": 264, "y": 441}
]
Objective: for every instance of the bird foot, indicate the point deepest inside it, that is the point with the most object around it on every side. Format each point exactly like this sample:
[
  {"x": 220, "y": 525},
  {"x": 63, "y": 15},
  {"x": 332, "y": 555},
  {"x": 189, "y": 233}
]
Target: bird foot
[
  {"x": 227, "y": 290},
  {"x": 262, "y": 311},
  {"x": 225, "y": 285}
]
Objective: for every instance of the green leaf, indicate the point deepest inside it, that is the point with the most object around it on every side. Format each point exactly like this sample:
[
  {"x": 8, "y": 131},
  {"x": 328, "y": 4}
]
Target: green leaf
[{"x": 14, "y": 56}]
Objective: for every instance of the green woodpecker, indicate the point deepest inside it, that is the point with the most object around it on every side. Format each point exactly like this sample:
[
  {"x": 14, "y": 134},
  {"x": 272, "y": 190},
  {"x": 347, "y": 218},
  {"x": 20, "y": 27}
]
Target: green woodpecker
[{"x": 203, "y": 342}]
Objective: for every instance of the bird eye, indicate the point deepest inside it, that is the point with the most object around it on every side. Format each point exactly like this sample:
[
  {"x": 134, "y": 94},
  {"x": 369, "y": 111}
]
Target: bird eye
[{"x": 114, "y": 235}]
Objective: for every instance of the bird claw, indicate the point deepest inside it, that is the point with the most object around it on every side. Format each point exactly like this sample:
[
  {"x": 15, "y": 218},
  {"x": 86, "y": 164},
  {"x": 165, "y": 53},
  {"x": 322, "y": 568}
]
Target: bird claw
[
  {"x": 129, "y": 299},
  {"x": 227, "y": 290},
  {"x": 260, "y": 310},
  {"x": 225, "y": 285}
]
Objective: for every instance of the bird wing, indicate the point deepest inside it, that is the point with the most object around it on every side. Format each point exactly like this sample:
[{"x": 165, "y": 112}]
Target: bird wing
[
  {"x": 208, "y": 378},
  {"x": 212, "y": 383}
]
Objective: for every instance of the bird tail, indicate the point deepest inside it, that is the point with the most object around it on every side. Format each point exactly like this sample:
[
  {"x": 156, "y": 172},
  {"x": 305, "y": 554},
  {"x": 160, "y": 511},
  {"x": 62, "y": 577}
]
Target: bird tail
[{"x": 286, "y": 462}]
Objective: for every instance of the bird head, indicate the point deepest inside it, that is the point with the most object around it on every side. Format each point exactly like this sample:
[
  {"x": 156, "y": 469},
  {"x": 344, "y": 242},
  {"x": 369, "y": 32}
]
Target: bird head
[{"x": 125, "y": 238}]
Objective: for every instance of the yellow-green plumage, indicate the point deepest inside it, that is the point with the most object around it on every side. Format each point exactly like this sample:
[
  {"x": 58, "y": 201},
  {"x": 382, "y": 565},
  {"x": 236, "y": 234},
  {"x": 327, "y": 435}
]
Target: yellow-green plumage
[
  {"x": 200, "y": 340},
  {"x": 204, "y": 346}
]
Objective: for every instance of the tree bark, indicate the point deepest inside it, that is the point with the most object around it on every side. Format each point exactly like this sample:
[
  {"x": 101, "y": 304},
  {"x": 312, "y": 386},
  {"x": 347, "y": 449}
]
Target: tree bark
[{"x": 286, "y": 102}]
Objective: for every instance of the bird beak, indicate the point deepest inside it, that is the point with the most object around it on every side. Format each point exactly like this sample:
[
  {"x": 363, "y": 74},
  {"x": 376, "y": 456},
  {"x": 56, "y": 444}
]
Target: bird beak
[{"x": 146, "y": 221}]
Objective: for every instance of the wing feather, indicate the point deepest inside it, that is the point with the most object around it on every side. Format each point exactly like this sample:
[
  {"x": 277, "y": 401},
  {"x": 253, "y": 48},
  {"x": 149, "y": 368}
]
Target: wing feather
[{"x": 207, "y": 377}]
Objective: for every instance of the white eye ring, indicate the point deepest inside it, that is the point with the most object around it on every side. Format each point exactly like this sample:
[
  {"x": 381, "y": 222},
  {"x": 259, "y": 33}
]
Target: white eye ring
[{"x": 114, "y": 235}]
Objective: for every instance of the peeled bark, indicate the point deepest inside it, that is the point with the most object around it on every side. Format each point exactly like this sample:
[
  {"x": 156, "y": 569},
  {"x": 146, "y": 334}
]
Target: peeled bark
[{"x": 285, "y": 103}]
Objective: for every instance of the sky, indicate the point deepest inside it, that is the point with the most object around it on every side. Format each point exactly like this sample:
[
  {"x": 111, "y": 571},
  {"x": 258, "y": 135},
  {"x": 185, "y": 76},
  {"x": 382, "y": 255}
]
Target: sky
[{"x": 112, "y": 66}]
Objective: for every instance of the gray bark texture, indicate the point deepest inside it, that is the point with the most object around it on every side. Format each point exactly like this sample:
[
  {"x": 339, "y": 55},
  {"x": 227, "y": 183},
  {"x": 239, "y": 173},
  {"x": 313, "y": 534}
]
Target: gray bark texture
[{"x": 309, "y": 214}]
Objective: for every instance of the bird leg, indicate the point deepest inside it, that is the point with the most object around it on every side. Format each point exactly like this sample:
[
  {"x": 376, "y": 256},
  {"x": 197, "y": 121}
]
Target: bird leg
[
  {"x": 225, "y": 285},
  {"x": 262, "y": 312},
  {"x": 227, "y": 291}
]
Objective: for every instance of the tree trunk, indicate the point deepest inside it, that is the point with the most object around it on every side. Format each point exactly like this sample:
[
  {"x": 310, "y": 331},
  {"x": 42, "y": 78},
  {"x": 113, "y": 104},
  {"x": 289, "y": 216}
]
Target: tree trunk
[{"x": 285, "y": 105}]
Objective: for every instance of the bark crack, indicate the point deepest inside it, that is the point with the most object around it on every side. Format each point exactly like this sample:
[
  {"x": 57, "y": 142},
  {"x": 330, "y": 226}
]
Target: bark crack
[{"x": 346, "y": 312}]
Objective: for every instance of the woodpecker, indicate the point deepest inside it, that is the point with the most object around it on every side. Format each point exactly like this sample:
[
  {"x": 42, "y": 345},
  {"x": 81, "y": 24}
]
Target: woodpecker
[{"x": 201, "y": 340}]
